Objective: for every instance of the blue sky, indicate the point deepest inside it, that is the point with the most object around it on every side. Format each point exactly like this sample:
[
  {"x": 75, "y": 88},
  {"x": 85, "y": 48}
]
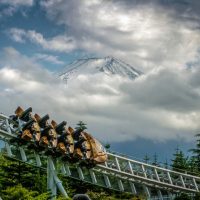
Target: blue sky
[
  {"x": 34, "y": 18},
  {"x": 155, "y": 113}
]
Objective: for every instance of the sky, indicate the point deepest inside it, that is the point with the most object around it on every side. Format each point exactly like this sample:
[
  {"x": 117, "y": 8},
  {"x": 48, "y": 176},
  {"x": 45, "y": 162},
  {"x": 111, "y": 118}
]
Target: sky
[{"x": 156, "y": 112}]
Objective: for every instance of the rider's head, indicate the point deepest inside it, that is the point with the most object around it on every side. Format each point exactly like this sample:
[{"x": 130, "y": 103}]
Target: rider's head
[{"x": 81, "y": 197}]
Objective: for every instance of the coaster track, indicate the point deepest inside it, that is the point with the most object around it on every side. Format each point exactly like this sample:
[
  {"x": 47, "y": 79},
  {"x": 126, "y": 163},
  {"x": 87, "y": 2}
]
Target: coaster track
[{"x": 117, "y": 173}]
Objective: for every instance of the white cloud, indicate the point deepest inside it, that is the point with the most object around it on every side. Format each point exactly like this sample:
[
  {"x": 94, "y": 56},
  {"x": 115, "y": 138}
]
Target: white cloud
[
  {"x": 146, "y": 35},
  {"x": 161, "y": 105},
  {"x": 60, "y": 43},
  {"x": 17, "y": 34},
  {"x": 49, "y": 58},
  {"x": 18, "y": 2},
  {"x": 12, "y": 6}
]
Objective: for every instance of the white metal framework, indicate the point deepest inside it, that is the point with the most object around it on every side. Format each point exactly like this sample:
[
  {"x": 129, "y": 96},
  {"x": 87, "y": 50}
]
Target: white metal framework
[{"x": 118, "y": 173}]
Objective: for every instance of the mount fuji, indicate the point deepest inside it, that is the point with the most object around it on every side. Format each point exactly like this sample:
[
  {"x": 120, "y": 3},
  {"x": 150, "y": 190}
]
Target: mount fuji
[{"x": 109, "y": 65}]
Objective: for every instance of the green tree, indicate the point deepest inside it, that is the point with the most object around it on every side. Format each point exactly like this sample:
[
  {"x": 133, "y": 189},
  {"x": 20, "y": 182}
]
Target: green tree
[
  {"x": 182, "y": 196},
  {"x": 192, "y": 165},
  {"x": 18, "y": 193},
  {"x": 155, "y": 160},
  {"x": 81, "y": 125},
  {"x": 196, "y": 153},
  {"x": 21, "y": 193},
  {"x": 107, "y": 146},
  {"x": 166, "y": 165},
  {"x": 13, "y": 173},
  {"x": 180, "y": 162},
  {"x": 146, "y": 158},
  {"x": 106, "y": 196}
]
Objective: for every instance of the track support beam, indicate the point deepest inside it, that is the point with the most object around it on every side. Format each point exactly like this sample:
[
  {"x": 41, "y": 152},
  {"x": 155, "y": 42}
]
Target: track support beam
[{"x": 53, "y": 182}]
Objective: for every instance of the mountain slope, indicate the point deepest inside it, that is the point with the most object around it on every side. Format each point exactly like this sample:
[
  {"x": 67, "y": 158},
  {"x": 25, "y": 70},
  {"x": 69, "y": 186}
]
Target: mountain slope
[{"x": 108, "y": 65}]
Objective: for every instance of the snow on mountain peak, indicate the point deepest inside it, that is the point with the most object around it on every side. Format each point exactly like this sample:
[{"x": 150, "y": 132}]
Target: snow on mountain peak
[{"x": 108, "y": 65}]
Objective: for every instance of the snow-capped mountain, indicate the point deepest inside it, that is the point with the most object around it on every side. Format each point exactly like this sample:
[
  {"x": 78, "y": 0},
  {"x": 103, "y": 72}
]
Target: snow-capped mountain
[{"x": 108, "y": 65}]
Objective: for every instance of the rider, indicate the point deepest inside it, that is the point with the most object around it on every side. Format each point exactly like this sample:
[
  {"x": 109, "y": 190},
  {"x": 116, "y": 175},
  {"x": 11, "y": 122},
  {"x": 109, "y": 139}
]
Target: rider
[
  {"x": 62, "y": 131},
  {"x": 26, "y": 121},
  {"x": 79, "y": 138}
]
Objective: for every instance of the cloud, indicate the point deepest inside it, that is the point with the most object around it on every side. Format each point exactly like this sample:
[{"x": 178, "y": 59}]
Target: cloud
[
  {"x": 161, "y": 105},
  {"x": 147, "y": 34},
  {"x": 182, "y": 97},
  {"x": 11, "y": 7},
  {"x": 18, "y": 2},
  {"x": 49, "y": 58},
  {"x": 60, "y": 43},
  {"x": 17, "y": 35}
]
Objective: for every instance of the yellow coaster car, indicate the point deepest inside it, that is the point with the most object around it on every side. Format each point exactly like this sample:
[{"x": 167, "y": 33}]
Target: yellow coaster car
[
  {"x": 65, "y": 144},
  {"x": 48, "y": 133},
  {"x": 90, "y": 150},
  {"x": 30, "y": 127}
]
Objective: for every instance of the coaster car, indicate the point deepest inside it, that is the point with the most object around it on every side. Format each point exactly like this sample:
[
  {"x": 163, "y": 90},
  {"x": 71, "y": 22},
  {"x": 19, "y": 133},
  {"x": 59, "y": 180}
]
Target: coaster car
[
  {"x": 98, "y": 152},
  {"x": 24, "y": 115},
  {"x": 48, "y": 138},
  {"x": 27, "y": 126},
  {"x": 65, "y": 144},
  {"x": 88, "y": 149},
  {"x": 81, "y": 145}
]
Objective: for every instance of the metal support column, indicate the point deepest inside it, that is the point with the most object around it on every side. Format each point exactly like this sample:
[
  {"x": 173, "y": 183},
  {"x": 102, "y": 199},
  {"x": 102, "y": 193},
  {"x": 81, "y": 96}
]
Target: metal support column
[
  {"x": 63, "y": 170},
  {"x": 93, "y": 177},
  {"x": 170, "y": 195},
  {"x": 37, "y": 158},
  {"x": 51, "y": 186},
  {"x": 80, "y": 173},
  {"x": 147, "y": 192},
  {"x": 133, "y": 189},
  {"x": 68, "y": 170},
  {"x": 144, "y": 171},
  {"x": 53, "y": 181},
  {"x": 107, "y": 181},
  {"x": 160, "y": 195},
  {"x": 8, "y": 149},
  {"x": 120, "y": 185},
  {"x": 23, "y": 154}
]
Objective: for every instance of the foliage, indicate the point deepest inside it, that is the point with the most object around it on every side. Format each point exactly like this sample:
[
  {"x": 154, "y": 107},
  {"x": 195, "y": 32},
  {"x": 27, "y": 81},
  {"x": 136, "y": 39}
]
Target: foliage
[
  {"x": 81, "y": 125},
  {"x": 14, "y": 172},
  {"x": 21, "y": 181},
  {"x": 192, "y": 167},
  {"x": 146, "y": 158},
  {"x": 166, "y": 165},
  {"x": 180, "y": 162},
  {"x": 106, "y": 196},
  {"x": 196, "y": 154},
  {"x": 21, "y": 193},
  {"x": 107, "y": 146},
  {"x": 197, "y": 196},
  {"x": 182, "y": 196},
  {"x": 155, "y": 160},
  {"x": 99, "y": 196}
]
